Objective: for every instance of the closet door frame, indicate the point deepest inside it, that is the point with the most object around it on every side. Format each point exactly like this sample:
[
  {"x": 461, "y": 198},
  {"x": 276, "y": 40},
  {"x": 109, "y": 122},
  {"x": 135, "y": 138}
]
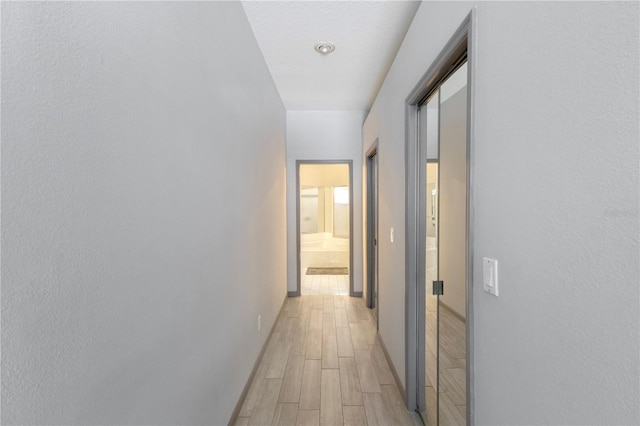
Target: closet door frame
[{"x": 462, "y": 43}]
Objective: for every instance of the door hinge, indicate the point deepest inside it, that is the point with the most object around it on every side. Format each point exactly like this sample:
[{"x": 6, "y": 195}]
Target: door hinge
[{"x": 438, "y": 288}]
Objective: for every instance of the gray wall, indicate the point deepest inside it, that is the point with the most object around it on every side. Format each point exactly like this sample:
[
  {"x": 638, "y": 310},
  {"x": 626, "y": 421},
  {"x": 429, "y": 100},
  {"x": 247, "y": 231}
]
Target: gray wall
[
  {"x": 142, "y": 156},
  {"x": 324, "y": 135},
  {"x": 556, "y": 186}
]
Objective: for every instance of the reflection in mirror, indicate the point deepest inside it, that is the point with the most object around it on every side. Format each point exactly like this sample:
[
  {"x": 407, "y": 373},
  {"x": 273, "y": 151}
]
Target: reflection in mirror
[
  {"x": 452, "y": 249},
  {"x": 430, "y": 134},
  {"x": 431, "y": 312},
  {"x": 442, "y": 127}
]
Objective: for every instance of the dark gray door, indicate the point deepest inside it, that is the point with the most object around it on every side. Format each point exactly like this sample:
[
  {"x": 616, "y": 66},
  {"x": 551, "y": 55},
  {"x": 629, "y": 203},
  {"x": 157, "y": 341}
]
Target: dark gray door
[{"x": 372, "y": 233}]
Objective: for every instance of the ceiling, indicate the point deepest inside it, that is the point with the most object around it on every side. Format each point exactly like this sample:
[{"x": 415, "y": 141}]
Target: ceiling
[{"x": 367, "y": 35}]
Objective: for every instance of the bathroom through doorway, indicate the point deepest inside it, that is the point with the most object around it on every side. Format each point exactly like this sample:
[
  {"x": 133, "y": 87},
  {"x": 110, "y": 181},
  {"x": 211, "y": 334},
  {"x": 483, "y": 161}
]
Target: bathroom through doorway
[{"x": 324, "y": 219}]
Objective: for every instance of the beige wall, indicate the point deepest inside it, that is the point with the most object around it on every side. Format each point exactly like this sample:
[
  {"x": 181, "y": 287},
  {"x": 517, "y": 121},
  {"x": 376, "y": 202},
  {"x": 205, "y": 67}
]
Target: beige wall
[
  {"x": 324, "y": 175},
  {"x": 328, "y": 209}
]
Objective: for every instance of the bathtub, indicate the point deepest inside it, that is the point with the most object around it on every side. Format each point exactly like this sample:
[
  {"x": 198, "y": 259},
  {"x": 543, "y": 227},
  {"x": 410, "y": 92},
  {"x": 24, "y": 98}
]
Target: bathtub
[{"x": 322, "y": 250}]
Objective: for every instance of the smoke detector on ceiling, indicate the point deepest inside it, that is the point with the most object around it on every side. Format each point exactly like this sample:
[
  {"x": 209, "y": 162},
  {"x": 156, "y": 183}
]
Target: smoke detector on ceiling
[{"x": 325, "y": 48}]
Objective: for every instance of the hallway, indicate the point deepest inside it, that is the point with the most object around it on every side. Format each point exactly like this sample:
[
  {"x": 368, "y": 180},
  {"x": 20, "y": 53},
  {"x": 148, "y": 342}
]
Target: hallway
[
  {"x": 151, "y": 229},
  {"x": 324, "y": 365},
  {"x": 325, "y": 285}
]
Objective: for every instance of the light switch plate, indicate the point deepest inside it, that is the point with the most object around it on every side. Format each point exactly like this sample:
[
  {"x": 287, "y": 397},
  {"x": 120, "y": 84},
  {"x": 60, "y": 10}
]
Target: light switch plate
[
  {"x": 490, "y": 275},
  {"x": 391, "y": 235}
]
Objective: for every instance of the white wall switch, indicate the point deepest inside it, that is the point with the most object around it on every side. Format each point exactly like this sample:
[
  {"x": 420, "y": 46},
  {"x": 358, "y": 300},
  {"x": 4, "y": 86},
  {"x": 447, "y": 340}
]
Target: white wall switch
[
  {"x": 490, "y": 275},
  {"x": 391, "y": 235},
  {"x": 259, "y": 322}
]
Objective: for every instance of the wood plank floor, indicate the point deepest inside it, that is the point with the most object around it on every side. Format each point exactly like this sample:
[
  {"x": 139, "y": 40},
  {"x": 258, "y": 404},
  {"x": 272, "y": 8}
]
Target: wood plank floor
[
  {"x": 452, "y": 365},
  {"x": 324, "y": 366},
  {"x": 325, "y": 284}
]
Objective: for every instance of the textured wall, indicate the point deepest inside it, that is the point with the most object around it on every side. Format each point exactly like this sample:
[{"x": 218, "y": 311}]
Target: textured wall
[
  {"x": 556, "y": 186},
  {"x": 324, "y": 135},
  {"x": 143, "y": 211}
]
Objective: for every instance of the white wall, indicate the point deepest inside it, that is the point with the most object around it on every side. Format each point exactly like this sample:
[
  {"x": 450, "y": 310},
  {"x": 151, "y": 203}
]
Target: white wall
[
  {"x": 132, "y": 272},
  {"x": 556, "y": 191},
  {"x": 324, "y": 135}
]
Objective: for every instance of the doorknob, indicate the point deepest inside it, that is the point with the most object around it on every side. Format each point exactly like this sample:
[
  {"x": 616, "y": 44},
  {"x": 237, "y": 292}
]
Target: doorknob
[{"x": 438, "y": 288}]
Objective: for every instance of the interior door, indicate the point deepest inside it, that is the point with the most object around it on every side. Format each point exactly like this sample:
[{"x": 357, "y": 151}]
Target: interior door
[
  {"x": 452, "y": 249},
  {"x": 372, "y": 220},
  {"x": 375, "y": 238},
  {"x": 443, "y": 203},
  {"x": 429, "y": 132}
]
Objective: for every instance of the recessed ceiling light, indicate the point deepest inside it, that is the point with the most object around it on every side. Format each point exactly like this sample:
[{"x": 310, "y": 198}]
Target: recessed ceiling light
[{"x": 325, "y": 48}]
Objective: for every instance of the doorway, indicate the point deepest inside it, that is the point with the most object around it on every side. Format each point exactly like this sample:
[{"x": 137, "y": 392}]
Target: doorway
[
  {"x": 439, "y": 299},
  {"x": 324, "y": 227},
  {"x": 372, "y": 232}
]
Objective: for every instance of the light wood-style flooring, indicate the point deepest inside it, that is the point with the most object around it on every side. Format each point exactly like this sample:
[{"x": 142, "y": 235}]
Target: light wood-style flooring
[
  {"x": 452, "y": 357},
  {"x": 325, "y": 284},
  {"x": 324, "y": 366}
]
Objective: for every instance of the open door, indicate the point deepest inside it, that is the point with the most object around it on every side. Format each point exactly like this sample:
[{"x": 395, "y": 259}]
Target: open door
[{"x": 372, "y": 232}]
